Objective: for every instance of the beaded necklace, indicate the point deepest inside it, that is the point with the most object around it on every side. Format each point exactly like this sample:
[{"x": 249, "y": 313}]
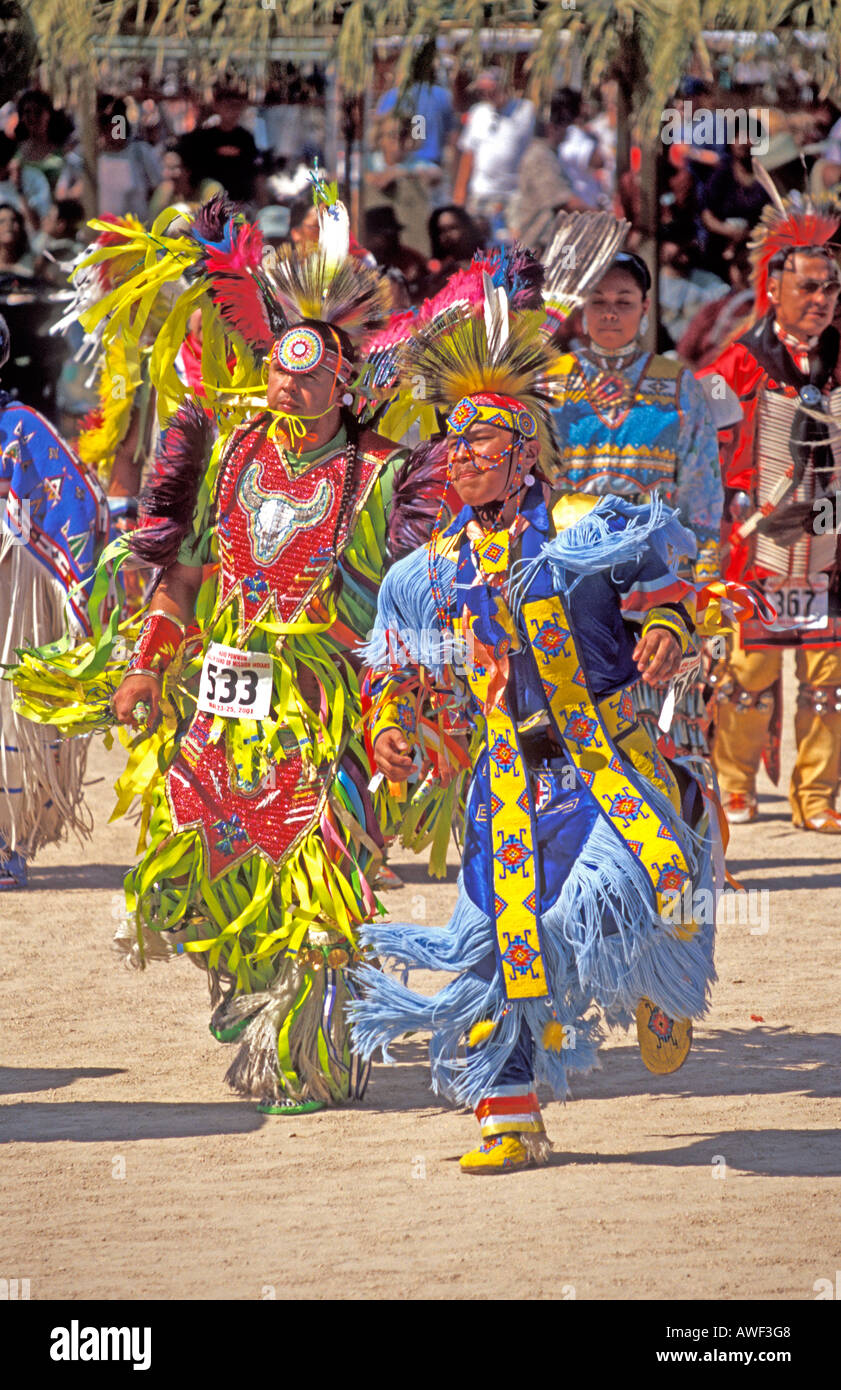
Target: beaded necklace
[
  {"x": 610, "y": 394},
  {"x": 491, "y": 552}
]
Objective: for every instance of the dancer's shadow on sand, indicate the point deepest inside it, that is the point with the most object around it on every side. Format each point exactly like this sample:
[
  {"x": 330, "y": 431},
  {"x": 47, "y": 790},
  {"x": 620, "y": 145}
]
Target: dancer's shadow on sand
[
  {"x": 400, "y": 1088},
  {"x": 110, "y": 1121},
  {"x": 771, "y": 1153},
  {"x": 726, "y": 1062},
  {"x": 15, "y": 1081},
  {"x": 59, "y": 878},
  {"x": 753, "y": 874},
  {"x": 722, "y": 1063}
]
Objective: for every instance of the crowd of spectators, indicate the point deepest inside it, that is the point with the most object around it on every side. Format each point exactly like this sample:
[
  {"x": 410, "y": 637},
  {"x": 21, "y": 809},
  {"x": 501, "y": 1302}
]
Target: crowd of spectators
[
  {"x": 440, "y": 178},
  {"x": 151, "y": 154}
]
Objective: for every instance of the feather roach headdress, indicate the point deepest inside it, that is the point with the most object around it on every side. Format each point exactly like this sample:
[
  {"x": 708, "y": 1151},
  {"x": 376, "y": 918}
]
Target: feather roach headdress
[
  {"x": 261, "y": 294},
  {"x": 787, "y": 226},
  {"x": 490, "y": 330},
  {"x": 216, "y": 261}
]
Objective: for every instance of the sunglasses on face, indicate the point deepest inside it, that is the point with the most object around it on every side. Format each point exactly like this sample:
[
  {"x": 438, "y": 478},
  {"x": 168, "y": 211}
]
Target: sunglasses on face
[{"x": 831, "y": 286}]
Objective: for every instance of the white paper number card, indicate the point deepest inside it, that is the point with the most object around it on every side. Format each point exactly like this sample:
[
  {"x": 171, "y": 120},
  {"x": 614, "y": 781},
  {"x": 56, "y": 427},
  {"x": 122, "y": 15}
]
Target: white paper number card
[{"x": 236, "y": 684}]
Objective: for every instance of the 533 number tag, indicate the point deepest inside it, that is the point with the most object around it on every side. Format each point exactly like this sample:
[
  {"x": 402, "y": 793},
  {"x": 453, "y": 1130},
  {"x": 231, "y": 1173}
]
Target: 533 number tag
[{"x": 236, "y": 684}]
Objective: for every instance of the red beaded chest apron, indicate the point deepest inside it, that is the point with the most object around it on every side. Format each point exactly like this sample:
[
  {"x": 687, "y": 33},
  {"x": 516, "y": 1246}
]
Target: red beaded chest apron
[{"x": 275, "y": 535}]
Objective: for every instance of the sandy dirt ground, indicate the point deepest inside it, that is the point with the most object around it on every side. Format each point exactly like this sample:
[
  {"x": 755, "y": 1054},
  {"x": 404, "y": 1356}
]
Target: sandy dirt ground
[{"x": 128, "y": 1171}]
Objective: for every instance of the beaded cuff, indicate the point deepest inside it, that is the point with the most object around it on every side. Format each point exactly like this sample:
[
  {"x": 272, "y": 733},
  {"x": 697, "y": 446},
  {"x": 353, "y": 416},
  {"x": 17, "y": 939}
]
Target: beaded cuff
[
  {"x": 395, "y": 713},
  {"x": 160, "y": 637},
  {"x": 670, "y": 619}
]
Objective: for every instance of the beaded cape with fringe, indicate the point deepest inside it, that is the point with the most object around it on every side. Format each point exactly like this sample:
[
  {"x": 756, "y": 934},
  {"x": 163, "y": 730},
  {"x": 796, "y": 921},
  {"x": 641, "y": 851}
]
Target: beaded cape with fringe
[{"x": 53, "y": 521}]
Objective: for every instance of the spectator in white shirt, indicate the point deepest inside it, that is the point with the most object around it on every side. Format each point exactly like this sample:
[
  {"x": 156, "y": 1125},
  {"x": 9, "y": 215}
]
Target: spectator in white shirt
[
  {"x": 128, "y": 170},
  {"x": 604, "y": 127},
  {"x": 495, "y": 135},
  {"x": 542, "y": 186},
  {"x": 578, "y": 151}
]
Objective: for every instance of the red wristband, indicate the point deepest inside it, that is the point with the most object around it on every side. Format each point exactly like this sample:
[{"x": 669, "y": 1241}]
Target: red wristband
[{"x": 160, "y": 637}]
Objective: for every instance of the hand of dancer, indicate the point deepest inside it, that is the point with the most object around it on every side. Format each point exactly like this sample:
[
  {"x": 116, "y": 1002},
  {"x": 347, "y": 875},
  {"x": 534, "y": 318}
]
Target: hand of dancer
[
  {"x": 657, "y": 655},
  {"x": 176, "y": 595},
  {"x": 134, "y": 690},
  {"x": 391, "y": 754}
]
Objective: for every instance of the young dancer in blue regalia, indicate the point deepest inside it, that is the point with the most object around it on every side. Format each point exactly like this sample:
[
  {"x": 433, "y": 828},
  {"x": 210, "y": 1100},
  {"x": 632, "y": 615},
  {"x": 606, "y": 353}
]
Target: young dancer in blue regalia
[{"x": 530, "y": 619}]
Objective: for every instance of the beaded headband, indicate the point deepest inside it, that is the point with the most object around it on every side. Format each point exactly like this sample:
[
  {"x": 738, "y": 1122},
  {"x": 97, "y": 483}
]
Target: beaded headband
[{"x": 503, "y": 411}]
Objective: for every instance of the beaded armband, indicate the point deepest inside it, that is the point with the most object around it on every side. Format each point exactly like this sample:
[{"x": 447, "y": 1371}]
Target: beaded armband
[
  {"x": 160, "y": 637},
  {"x": 670, "y": 619}
]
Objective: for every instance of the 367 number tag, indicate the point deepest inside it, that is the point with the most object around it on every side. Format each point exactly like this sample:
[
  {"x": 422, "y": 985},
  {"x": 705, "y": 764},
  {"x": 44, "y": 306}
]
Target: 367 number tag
[
  {"x": 799, "y": 605},
  {"x": 236, "y": 684}
]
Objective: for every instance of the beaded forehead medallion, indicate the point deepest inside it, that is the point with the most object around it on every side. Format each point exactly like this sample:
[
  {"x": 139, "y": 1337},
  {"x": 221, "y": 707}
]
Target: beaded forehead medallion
[{"x": 299, "y": 350}]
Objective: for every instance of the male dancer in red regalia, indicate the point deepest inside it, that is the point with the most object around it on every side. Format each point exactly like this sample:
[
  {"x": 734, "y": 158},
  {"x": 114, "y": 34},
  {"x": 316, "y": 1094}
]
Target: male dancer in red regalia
[{"x": 782, "y": 463}]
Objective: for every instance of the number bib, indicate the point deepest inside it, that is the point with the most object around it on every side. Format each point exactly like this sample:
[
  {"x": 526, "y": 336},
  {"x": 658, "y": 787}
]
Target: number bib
[
  {"x": 798, "y": 605},
  {"x": 235, "y": 684}
]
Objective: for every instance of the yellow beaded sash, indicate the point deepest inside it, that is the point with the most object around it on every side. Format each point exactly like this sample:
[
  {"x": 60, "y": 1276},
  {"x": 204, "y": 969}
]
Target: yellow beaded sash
[
  {"x": 510, "y": 810},
  {"x": 589, "y": 731}
]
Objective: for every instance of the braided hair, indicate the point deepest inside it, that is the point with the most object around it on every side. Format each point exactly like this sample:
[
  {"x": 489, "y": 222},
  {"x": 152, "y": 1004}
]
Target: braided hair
[
  {"x": 346, "y": 500},
  {"x": 254, "y": 428},
  {"x": 351, "y": 425},
  {"x": 326, "y": 331}
]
